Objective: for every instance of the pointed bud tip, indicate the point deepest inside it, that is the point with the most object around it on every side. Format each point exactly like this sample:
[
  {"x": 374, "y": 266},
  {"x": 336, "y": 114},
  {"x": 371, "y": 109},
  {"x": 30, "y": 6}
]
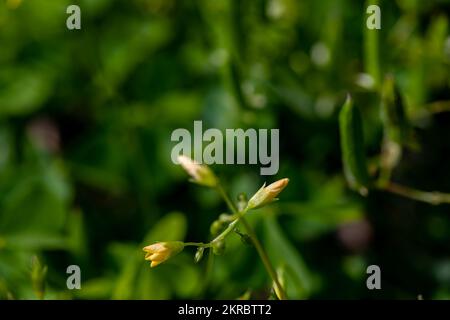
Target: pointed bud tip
[
  {"x": 200, "y": 174},
  {"x": 268, "y": 194}
]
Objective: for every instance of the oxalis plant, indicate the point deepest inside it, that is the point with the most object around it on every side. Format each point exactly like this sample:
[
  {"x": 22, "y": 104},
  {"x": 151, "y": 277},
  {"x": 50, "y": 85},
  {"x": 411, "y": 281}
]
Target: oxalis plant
[
  {"x": 398, "y": 134},
  {"x": 226, "y": 224}
]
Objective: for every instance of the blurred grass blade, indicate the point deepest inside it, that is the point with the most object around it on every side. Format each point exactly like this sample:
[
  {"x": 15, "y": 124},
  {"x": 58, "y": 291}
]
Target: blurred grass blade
[
  {"x": 352, "y": 145},
  {"x": 38, "y": 275}
]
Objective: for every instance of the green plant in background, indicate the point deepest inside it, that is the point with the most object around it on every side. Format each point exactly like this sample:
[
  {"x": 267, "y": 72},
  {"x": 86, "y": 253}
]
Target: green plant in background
[
  {"x": 38, "y": 275},
  {"x": 397, "y": 133},
  {"x": 85, "y": 124},
  {"x": 352, "y": 143},
  {"x": 221, "y": 228}
]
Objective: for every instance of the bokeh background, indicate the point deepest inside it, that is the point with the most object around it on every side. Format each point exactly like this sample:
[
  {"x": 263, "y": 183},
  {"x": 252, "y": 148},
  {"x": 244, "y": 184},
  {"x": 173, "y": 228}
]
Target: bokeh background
[{"x": 86, "y": 117}]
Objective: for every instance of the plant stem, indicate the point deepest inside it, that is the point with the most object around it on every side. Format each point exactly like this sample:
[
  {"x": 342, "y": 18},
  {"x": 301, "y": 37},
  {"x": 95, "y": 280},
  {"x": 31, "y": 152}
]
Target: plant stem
[
  {"x": 251, "y": 233},
  {"x": 197, "y": 244},
  {"x": 432, "y": 197},
  {"x": 430, "y": 109},
  {"x": 439, "y": 106},
  {"x": 264, "y": 257},
  {"x": 224, "y": 233}
]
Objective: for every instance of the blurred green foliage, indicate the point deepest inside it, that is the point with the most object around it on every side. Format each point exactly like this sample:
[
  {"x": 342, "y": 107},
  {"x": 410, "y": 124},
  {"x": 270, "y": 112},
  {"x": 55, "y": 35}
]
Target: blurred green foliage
[{"x": 85, "y": 123}]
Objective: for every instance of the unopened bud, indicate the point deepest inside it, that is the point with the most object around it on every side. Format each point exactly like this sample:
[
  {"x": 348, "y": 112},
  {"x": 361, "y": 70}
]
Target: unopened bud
[
  {"x": 159, "y": 252},
  {"x": 199, "y": 173},
  {"x": 268, "y": 194}
]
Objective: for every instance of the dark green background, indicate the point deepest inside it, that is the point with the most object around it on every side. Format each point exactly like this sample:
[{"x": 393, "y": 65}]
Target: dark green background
[{"x": 85, "y": 124}]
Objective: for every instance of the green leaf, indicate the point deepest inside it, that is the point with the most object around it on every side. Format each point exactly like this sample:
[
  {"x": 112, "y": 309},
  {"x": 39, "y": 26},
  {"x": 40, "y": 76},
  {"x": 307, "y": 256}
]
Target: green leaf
[
  {"x": 24, "y": 91},
  {"x": 76, "y": 239},
  {"x": 171, "y": 227},
  {"x": 396, "y": 124},
  {"x": 35, "y": 241},
  {"x": 282, "y": 254},
  {"x": 310, "y": 220},
  {"x": 151, "y": 285},
  {"x": 137, "y": 280},
  {"x": 31, "y": 207},
  {"x": 124, "y": 287},
  {"x": 99, "y": 288},
  {"x": 352, "y": 145}
]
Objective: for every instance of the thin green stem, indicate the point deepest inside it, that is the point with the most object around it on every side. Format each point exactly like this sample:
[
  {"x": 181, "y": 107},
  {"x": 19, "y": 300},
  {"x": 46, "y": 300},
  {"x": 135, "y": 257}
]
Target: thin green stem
[
  {"x": 224, "y": 233},
  {"x": 390, "y": 155},
  {"x": 432, "y": 197},
  {"x": 197, "y": 244},
  {"x": 252, "y": 234},
  {"x": 438, "y": 107},
  {"x": 264, "y": 257}
]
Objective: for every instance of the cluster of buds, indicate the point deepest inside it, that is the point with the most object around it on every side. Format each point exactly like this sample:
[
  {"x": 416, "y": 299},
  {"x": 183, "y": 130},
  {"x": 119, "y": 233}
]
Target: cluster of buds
[{"x": 160, "y": 252}]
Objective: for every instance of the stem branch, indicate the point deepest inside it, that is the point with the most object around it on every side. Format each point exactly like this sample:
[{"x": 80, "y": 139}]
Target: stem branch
[
  {"x": 252, "y": 234},
  {"x": 197, "y": 244},
  {"x": 432, "y": 197}
]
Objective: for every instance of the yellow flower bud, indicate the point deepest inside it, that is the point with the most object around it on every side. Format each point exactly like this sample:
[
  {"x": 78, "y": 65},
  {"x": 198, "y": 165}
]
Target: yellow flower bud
[
  {"x": 200, "y": 174},
  {"x": 268, "y": 194},
  {"x": 159, "y": 252}
]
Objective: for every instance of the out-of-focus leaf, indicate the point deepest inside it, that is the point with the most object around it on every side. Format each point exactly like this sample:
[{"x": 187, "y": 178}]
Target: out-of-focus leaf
[
  {"x": 35, "y": 241},
  {"x": 171, "y": 227},
  {"x": 36, "y": 204},
  {"x": 352, "y": 146},
  {"x": 98, "y": 288},
  {"x": 5, "y": 149},
  {"x": 185, "y": 277},
  {"x": 310, "y": 221},
  {"x": 282, "y": 253},
  {"x": 129, "y": 257},
  {"x": 151, "y": 285},
  {"x": 437, "y": 33},
  {"x": 127, "y": 44},
  {"x": 76, "y": 238},
  {"x": 136, "y": 271},
  {"x": 394, "y": 115},
  {"x": 23, "y": 91}
]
